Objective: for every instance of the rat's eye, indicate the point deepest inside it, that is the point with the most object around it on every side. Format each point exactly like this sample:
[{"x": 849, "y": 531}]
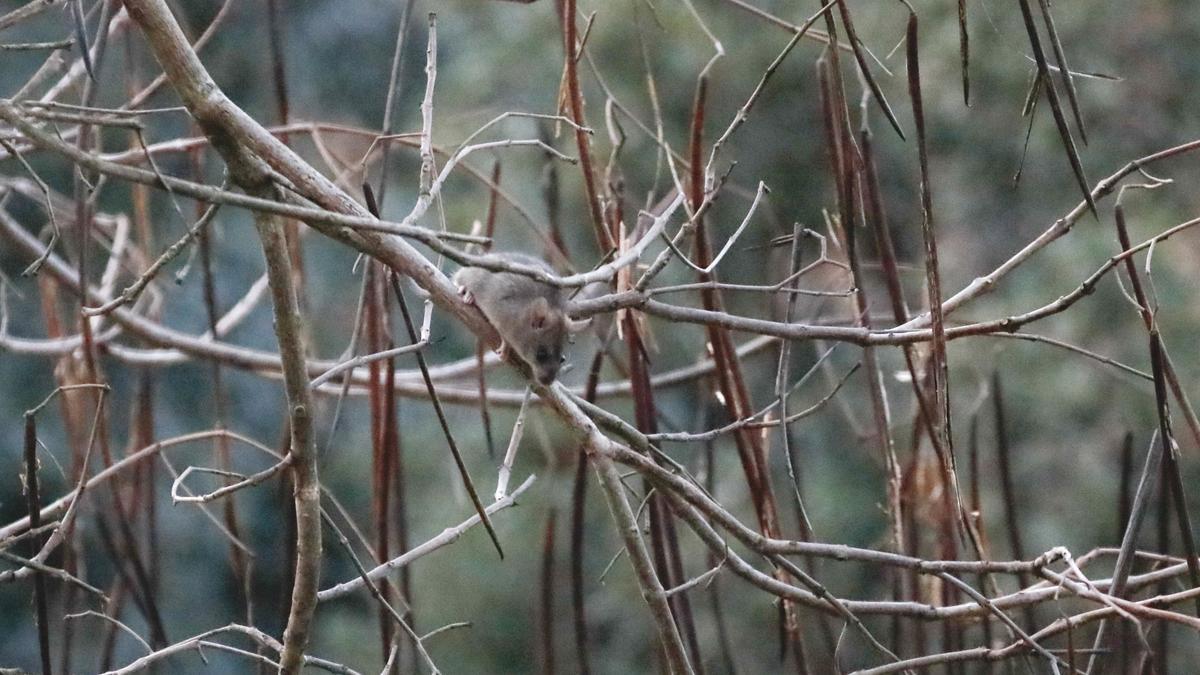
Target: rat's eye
[
  {"x": 543, "y": 355},
  {"x": 562, "y": 359}
]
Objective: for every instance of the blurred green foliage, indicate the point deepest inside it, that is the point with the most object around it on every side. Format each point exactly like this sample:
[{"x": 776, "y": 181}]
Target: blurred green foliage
[{"x": 1067, "y": 413}]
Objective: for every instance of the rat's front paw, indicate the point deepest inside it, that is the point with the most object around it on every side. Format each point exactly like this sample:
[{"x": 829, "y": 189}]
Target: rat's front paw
[{"x": 466, "y": 295}]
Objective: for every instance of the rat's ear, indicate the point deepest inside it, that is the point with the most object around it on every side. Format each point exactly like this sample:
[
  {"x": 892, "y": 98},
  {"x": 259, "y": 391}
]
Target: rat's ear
[{"x": 539, "y": 313}]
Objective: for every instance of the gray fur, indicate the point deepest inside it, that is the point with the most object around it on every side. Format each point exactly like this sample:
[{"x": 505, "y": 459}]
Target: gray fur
[{"x": 529, "y": 315}]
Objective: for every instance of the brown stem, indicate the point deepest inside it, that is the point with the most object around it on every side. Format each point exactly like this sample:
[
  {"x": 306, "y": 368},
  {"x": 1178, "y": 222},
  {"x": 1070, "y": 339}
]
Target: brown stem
[
  {"x": 33, "y": 501},
  {"x": 575, "y": 97}
]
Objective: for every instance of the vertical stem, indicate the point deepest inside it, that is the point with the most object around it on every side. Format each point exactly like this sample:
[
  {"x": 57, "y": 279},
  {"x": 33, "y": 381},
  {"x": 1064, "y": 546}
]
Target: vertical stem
[
  {"x": 33, "y": 501},
  {"x": 306, "y": 491},
  {"x": 575, "y": 99},
  {"x": 489, "y": 231},
  {"x": 389, "y": 102},
  {"x": 578, "y": 522},
  {"x": 639, "y": 557},
  {"x": 510, "y": 454},
  {"x": 1163, "y": 535},
  {"x": 427, "y": 169},
  {"x": 547, "y": 594}
]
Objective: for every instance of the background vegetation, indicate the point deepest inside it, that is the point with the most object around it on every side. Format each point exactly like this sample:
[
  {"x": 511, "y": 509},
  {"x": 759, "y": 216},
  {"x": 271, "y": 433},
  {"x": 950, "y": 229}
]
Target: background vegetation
[{"x": 1067, "y": 414}]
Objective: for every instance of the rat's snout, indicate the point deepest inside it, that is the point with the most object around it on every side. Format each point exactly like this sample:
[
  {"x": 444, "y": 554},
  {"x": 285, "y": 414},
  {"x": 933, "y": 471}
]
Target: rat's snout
[{"x": 546, "y": 376}]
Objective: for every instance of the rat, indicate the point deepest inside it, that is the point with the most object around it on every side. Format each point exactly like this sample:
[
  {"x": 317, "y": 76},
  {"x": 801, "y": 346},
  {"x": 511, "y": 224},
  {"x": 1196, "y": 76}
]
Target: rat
[{"x": 530, "y": 316}]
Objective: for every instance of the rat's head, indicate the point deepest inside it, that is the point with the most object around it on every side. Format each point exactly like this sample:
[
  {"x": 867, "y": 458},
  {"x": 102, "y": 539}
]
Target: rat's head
[{"x": 544, "y": 331}]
